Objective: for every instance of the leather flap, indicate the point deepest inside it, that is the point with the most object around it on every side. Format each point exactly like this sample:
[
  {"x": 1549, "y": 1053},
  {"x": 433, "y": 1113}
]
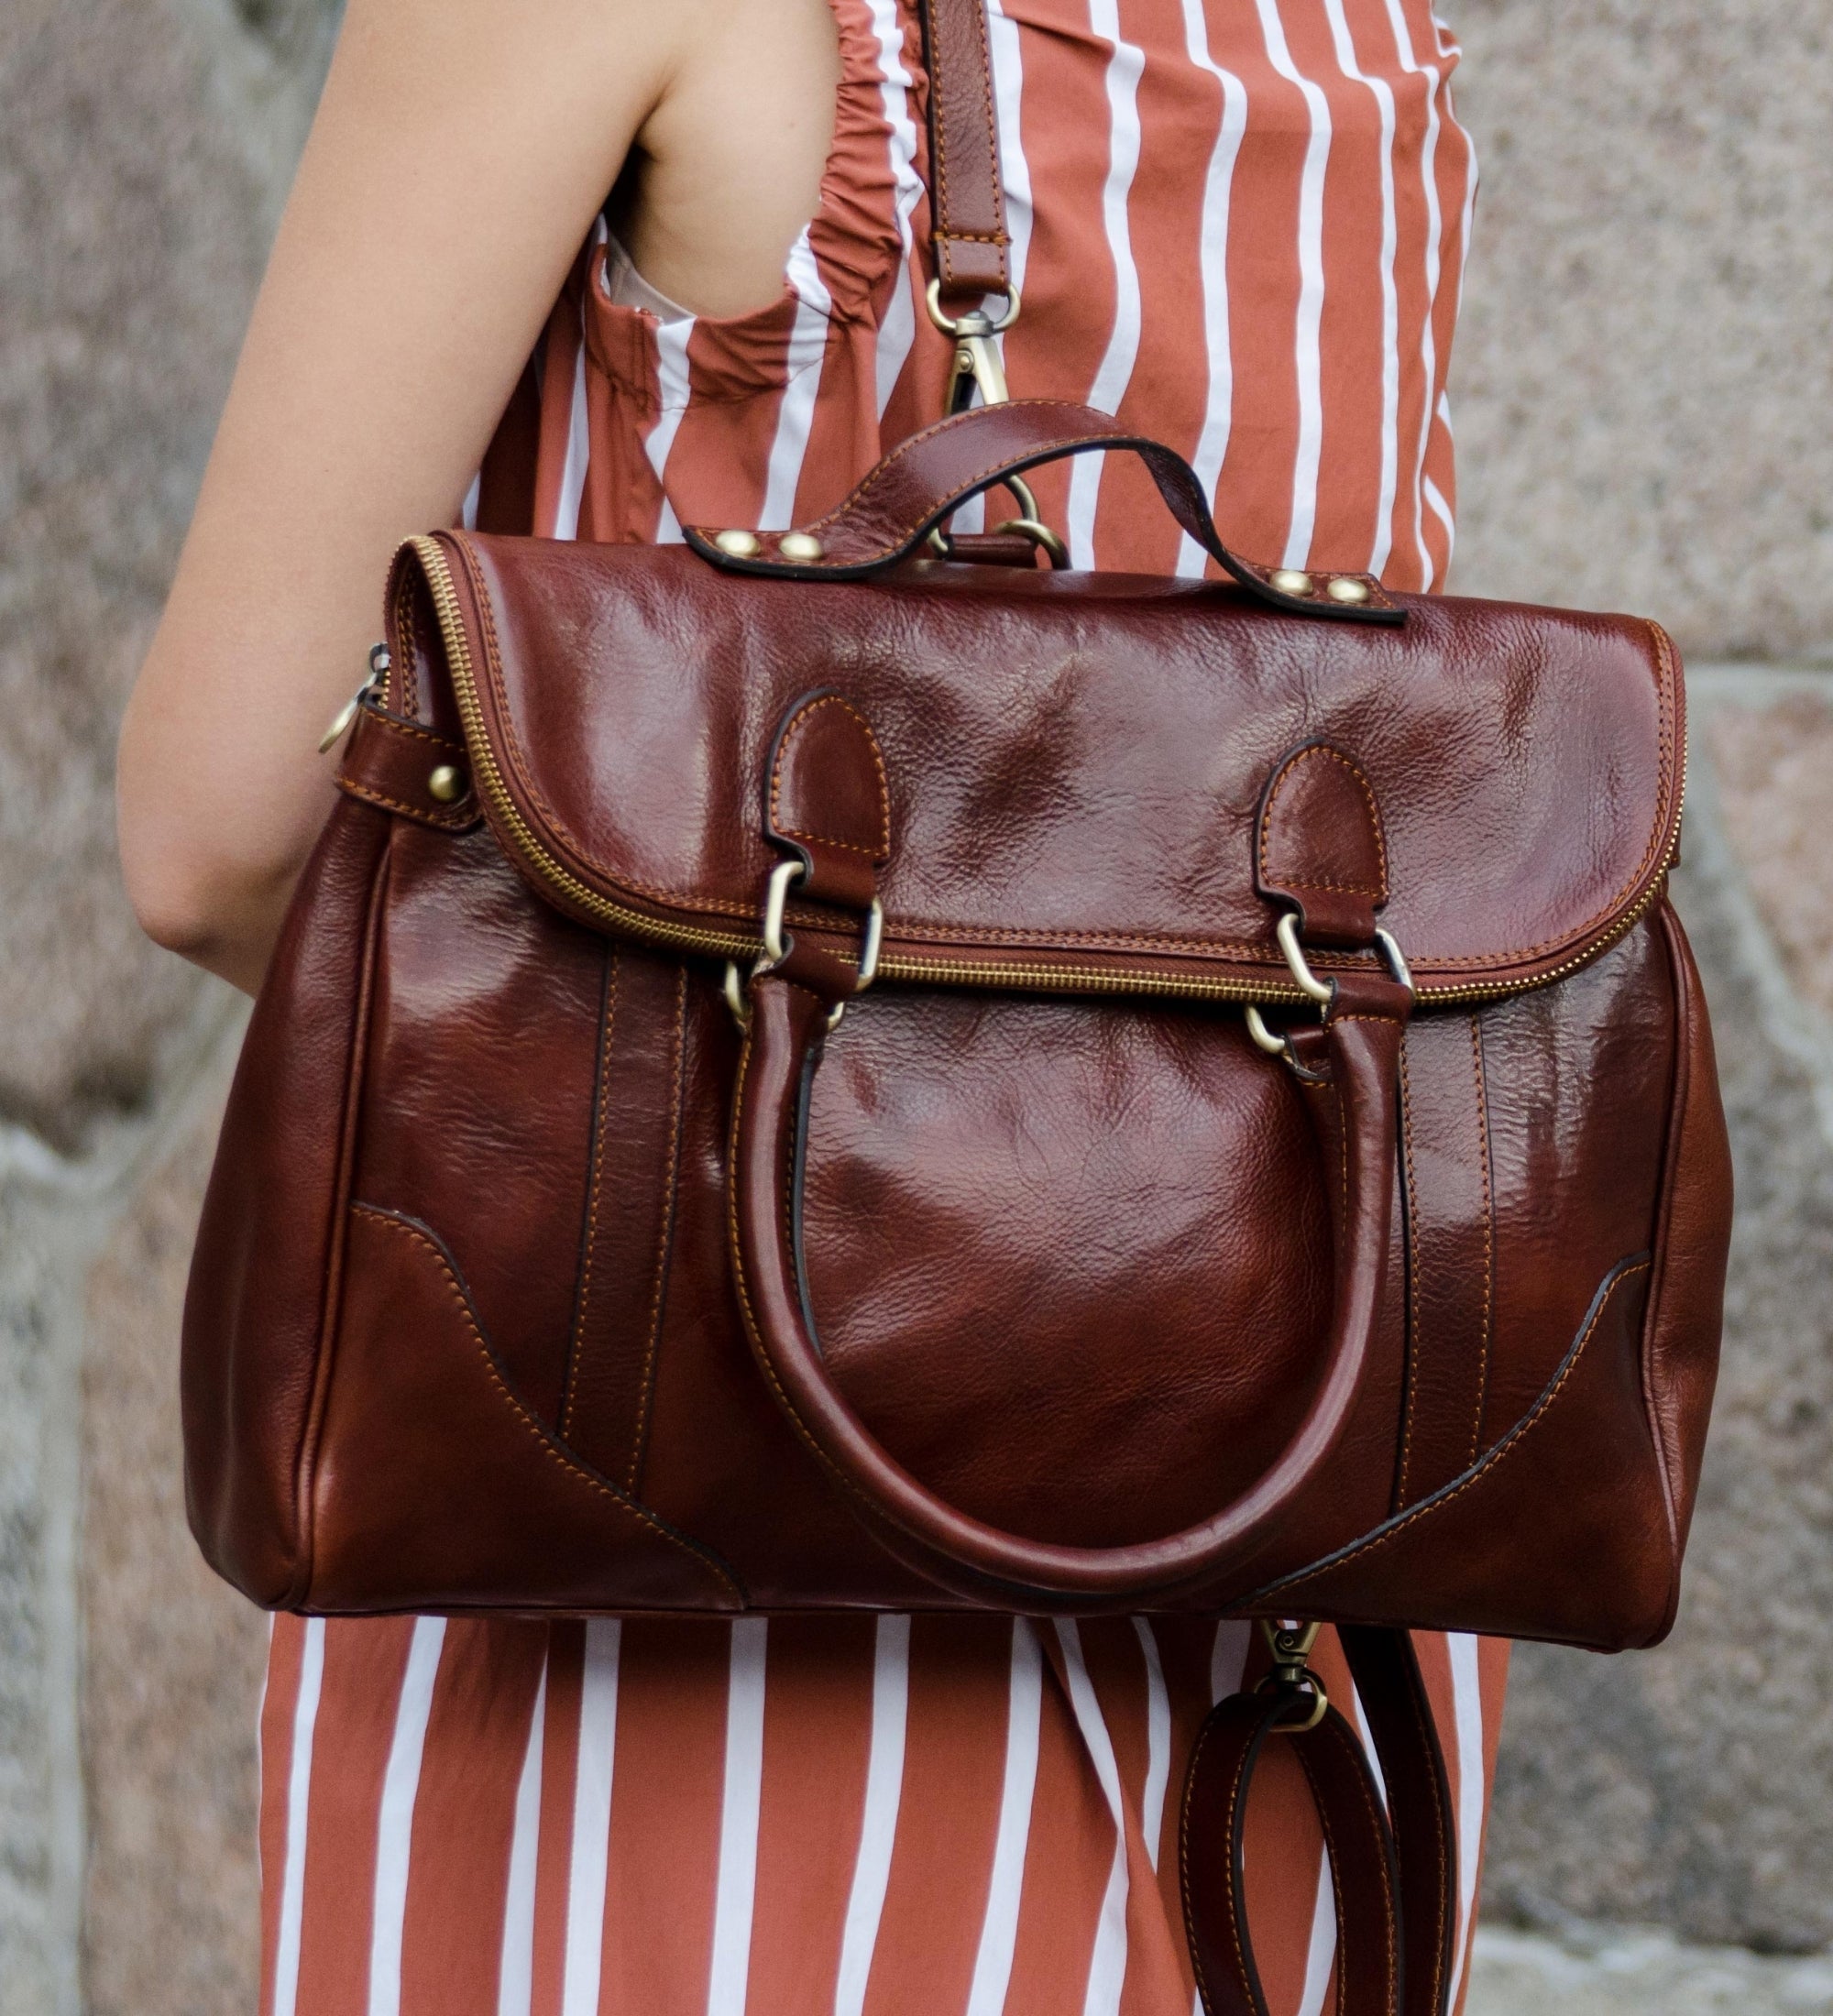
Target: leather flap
[{"x": 1075, "y": 763}]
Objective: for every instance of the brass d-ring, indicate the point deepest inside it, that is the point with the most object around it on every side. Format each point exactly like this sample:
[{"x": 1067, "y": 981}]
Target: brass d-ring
[
  {"x": 1039, "y": 534},
  {"x": 974, "y": 324}
]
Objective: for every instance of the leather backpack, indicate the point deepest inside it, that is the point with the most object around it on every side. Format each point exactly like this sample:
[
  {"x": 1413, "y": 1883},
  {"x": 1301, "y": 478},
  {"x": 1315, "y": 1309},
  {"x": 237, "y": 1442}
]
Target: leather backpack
[{"x": 812, "y": 1071}]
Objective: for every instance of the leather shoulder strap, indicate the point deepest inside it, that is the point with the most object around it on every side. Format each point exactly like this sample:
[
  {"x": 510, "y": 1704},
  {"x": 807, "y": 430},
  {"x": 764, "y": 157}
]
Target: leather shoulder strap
[
  {"x": 1392, "y": 1843},
  {"x": 966, "y": 200}
]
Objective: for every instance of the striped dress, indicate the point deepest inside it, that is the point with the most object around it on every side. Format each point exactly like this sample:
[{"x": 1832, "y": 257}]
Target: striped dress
[{"x": 1239, "y": 225}]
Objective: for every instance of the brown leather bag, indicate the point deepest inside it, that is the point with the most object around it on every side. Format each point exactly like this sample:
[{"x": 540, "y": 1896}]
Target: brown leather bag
[{"x": 804, "y": 1074}]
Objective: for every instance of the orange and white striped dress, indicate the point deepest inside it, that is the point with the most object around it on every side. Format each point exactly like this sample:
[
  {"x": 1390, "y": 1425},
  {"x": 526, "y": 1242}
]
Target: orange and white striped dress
[{"x": 1239, "y": 225}]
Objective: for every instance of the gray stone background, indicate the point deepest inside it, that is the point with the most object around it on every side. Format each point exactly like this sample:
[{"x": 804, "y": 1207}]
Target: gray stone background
[{"x": 1641, "y": 387}]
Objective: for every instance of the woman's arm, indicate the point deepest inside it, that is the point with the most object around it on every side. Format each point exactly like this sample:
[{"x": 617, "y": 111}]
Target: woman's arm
[{"x": 457, "y": 159}]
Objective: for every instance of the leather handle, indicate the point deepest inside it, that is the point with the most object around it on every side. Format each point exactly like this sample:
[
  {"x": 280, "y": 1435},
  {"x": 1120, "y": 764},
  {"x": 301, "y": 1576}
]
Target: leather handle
[
  {"x": 967, "y": 238},
  {"x": 928, "y": 476},
  {"x": 1349, "y": 1082}
]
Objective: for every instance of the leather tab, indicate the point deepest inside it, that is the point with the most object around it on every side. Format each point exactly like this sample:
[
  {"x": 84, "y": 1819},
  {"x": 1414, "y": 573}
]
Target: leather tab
[
  {"x": 1319, "y": 846},
  {"x": 967, "y": 204},
  {"x": 828, "y": 802},
  {"x": 392, "y": 762}
]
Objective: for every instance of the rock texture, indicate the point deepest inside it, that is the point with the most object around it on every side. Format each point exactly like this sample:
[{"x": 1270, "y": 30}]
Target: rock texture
[
  {"x": 173, "y": 1658},
  {"x": 1638, "y": 1974},
  {"x": 1688, "y": 1786},
  {"x": 1643, "y": 348},
  {"x": 145, "y": 150},
  {"x": 145, "y": 147}
]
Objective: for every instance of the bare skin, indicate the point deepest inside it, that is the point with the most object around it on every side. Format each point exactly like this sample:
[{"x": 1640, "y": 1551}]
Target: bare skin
[{"x": 458, "y": 157}]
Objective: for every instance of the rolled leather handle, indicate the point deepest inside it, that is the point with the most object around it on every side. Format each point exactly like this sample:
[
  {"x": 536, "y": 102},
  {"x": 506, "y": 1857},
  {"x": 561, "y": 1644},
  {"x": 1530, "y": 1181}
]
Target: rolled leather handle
[
  {"x": 1349, "y": 1079},
  {"x": 934, "y": 472}
]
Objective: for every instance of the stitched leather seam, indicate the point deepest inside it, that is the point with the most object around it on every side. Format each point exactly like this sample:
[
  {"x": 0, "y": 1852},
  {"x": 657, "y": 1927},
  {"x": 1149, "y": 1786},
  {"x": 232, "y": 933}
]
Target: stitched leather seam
[
  {"x": 1488, "y": 1240},
  {"x": 408, "y": 631},
  {"x": 1497, "y": 1457},
  {"x": 604, "y": 1106},
  {"x": 1359, "y": 1778},
  {"x": 389, "y": 724},
  {"x": 821, "y": 840},
  {"x": 1184, "y": 1866},
  {"x": 1412, "y": 1280},
  {"x": 513, "y": 750},
  {"x": 450, "y": 822},
  {"x": 665, "y": 1236},
  {"x": 637, "y": 1512},
  {"x": 329, "y": 1327},
  {"x": 1236, "y": 1791},
  {"x": 1427, "y": 1740},
  {"x": 1235, "y": 1787},
  {"x": 1379, "y": 893},
  {"x": 939, "y": 127}
]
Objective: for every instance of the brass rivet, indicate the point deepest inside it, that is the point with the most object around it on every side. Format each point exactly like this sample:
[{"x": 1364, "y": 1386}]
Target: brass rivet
[
  {"x": 1346, "y": 587},
  {"x": 741, "y": 546},
  {"x": 799, "y": 546},
  {"x": 1290, "y": 581},
  {"x": 446, "y": 784}
]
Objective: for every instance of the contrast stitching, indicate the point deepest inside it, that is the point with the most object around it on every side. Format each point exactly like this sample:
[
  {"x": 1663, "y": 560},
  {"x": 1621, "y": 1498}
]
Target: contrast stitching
[
  {"x": 1234, "y": 1915},
  {"x": 1428, "y": 1737},
  {"x": 604, "y": 1106},
  {"x": 1489, "y": 1238},
  {"x": 1496, "y": 1458},
  {"x": 1412, "y": 1281},
  {"x": 451, "y": 821},
  {"x": 665, "y": 1234},
  {"x": 408, "y": 631},
  {"x": 1336, "y": 756},
  {"x": 802, "y": 714},
  {"x": 944, "y": 933},
  {"x": 1359, "y": 1780},
  {"x": 394, "y": 725},
  {"x": 528, "y": 1421}
]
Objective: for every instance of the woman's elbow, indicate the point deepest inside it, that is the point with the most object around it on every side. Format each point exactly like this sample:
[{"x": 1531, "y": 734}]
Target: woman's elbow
[{"x": 194, "y": 893}]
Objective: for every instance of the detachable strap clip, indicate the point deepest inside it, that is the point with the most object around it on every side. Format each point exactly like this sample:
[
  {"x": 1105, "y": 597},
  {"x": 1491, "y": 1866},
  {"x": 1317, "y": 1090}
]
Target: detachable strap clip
[{"x": 1291, "y": 1646}]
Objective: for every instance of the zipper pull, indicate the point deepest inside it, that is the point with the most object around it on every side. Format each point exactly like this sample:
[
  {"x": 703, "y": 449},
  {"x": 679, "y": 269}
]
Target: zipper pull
[{"x": 378, "y": 671}]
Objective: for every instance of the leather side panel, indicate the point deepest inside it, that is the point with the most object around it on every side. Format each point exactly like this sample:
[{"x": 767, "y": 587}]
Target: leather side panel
[
  {"x": 1579, "y": 1082},
  {"x": 479, "y": 1115},
  {"x": 1687, "y": 1299},
  {"x": 1559, "y": 1532},
  {"x": 629, "y": 1213},
  {"x": 1451, "y": 1250},
  {"x": 254, "y": 1305},
  {"x": 435, "y": 1482}
]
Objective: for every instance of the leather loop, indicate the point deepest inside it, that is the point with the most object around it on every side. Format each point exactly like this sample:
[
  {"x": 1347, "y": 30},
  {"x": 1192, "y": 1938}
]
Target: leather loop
[
  {"x": 1319, "y": 846},
  {"x": 925, "y": 479},
  {"x": 827, "y": 800},
  {"x": 393, "y": 763},
  {"x": 1354, "y": 1104},
  {"x": 966, "y": 200},
  {"x": 1368, "y": 1936}
]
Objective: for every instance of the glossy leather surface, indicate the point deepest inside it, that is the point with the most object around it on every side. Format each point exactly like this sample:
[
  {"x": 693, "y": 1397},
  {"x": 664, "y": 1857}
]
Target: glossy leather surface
[
  {"x": 525, "y": 1283},
  {"x": 1075, "y": 762}
]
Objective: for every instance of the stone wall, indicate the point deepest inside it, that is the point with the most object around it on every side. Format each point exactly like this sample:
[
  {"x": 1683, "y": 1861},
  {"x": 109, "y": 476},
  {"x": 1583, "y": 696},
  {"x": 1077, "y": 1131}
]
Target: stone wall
[{"x": 1643, "y": 349}]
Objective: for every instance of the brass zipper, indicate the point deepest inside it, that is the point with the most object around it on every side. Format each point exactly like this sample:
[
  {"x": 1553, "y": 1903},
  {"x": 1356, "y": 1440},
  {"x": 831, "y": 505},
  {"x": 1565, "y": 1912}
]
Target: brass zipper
[
  {"x": 907, "y": 966},
  {"x": 489, "y": 781}
]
